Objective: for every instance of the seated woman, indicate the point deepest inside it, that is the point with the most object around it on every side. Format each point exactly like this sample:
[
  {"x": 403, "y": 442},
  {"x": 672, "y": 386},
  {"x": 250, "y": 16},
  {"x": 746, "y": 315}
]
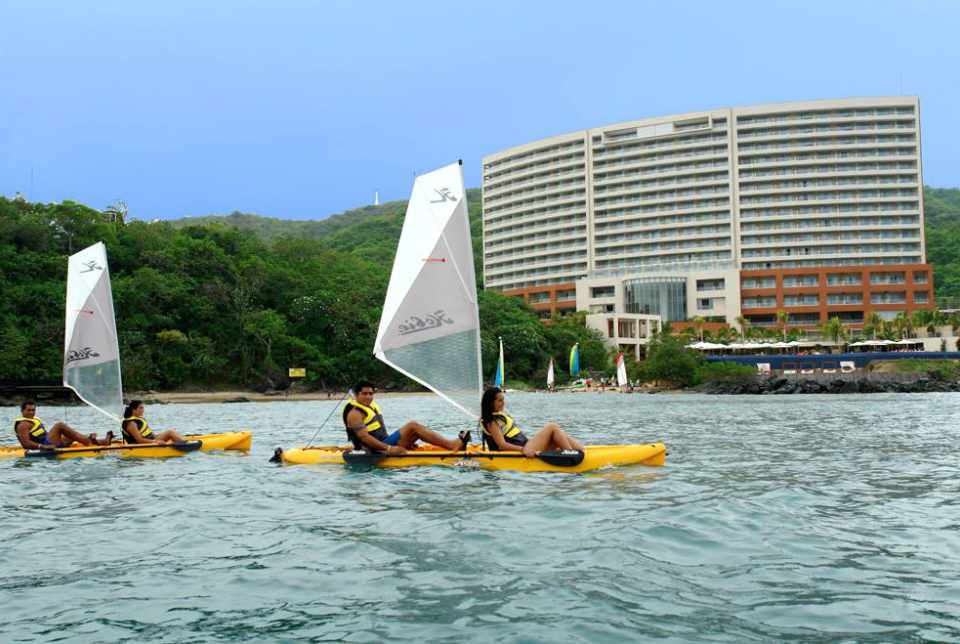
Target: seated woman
[
  {"x": 137, "y": 430},
  {"x": 500, "y": 433}
]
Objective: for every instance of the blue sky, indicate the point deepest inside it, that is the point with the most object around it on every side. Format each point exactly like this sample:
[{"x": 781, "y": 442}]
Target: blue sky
[{"x": 301, "y": 109}]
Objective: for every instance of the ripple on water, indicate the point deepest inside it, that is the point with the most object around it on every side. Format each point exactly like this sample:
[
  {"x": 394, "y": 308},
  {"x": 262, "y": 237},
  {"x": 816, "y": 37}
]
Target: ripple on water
[{"x": 813, "y": 517}]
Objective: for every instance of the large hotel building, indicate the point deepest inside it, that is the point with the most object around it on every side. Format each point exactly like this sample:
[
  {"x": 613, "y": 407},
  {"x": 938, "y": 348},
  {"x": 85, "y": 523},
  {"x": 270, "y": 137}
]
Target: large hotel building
[{"x": 812, "y": 208}]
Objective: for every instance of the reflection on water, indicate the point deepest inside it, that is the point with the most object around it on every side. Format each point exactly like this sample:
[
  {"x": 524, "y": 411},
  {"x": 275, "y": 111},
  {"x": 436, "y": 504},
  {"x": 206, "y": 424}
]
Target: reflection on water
[{"x": 806, "y": 517}]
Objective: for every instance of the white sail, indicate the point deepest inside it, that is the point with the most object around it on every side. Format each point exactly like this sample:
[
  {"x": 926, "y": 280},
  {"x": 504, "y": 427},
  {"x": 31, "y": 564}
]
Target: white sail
[
  {"x": 430, "y": 326},
  {"x": 621, "y": 371},
  {"x": 550, "y": 374},
  {"x": 91, "y": 355}
]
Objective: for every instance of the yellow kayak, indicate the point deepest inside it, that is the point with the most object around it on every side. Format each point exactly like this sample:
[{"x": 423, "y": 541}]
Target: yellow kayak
[
  {"x": 594, "y": 457},
  {"x": 195, "y": 443}
]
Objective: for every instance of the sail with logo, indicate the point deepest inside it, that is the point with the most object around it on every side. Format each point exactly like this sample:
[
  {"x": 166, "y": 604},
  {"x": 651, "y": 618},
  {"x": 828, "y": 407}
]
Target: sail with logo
[
  {"x": 91, "y": 355},
  {"x": 430, "y": 326}
]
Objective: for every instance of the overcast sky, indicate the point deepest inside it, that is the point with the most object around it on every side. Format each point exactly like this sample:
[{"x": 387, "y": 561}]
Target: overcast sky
[{"x": 301, "y": 109}]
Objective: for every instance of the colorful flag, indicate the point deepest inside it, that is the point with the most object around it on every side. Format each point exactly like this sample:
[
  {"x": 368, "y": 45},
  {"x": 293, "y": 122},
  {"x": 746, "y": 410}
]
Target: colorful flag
[{"x": 501, "y": 376}]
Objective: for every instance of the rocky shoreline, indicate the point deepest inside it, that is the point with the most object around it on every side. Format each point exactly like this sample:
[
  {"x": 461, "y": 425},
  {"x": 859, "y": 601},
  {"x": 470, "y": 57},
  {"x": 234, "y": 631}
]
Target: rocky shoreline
[{"x": 863, "y": 384}]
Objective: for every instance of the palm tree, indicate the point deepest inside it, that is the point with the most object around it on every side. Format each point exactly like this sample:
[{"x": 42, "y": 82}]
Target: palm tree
[
  {"x": 900, "y": 325},
  {"x": 744, "y": 325},
  {"x": 873, "y": 326},
  {"x": 782, "y": 321},
  {"x": 835, "y": 330}
]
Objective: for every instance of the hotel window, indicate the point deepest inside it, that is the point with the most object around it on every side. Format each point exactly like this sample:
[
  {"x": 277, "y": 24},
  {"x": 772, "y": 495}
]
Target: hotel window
[
  {"x": 897, "y": 277},
  {"x": 844, "y": 279},
  {"x": 845, "y": 298},
  {"x": 894, "y": 297},
  {"x": 800, "y": 300},
  {"x": 759, "y": 302},
  {"x": 792, "y": 281},
  {"x": 759, "y": 282},
  {"x": 710, "y": 285},
  {"x": 538, "y": 298},
  {"x": 566, "y": 295},
  {"x": 920, "y": 277},
  {"x": 921, "y": 297},
  {"x": 602, "y": 291},
  {"x": 704, "y": 303}
]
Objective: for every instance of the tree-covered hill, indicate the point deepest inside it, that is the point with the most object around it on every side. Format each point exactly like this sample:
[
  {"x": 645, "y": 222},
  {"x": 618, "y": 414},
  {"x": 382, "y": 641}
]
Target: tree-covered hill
[
  {"x": 942, "y": 214},
  {"x": 209, "y": 305}
]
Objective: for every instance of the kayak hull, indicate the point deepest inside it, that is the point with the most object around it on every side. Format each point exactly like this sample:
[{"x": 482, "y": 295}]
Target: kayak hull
[
  {"x": 595, "y": 457},
  {"x": 200, "y": 442}
]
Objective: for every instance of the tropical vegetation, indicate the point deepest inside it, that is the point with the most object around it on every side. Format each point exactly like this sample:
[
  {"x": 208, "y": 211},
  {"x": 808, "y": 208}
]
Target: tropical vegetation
[{"x": 202, "y": 303}]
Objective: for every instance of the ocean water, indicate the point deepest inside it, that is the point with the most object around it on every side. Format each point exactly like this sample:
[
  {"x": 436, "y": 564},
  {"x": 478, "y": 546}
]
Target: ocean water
[{"x": 809, "y": 518}]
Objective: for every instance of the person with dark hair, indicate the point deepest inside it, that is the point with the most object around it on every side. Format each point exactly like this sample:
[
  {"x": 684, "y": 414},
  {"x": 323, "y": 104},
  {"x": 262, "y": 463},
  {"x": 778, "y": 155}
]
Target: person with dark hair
[
  {"x": 32, "y": 433},
  {"x": 136, "y": 429},
  {"x": 501, "y": 433},
  {"x": 366, "y": 429}
]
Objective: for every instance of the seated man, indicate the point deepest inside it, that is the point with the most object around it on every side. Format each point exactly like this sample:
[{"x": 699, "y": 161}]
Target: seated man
[
  {"x": 366, "y": 429},
  {"x": 32, "y": 433}
]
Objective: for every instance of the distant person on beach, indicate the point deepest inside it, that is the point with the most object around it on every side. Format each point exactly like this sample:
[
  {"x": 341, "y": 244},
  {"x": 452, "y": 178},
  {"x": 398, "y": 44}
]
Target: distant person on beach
[
  {"x": 136, "y": 429},
  {"x": 501, "y": 433},
  {"x": 32, "y": 433},
  {"x": 366, "y": 429}
]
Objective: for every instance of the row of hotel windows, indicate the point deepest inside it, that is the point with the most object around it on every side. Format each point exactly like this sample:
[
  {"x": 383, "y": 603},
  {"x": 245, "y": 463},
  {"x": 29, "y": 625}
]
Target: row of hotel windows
[
  {"x": 863, "y": 180},
  {"x": 553, "y": 233},
  {"x": 521, "y": 172},
  {"x": 833, "y": 168},
  {"x": 669, "y": 168},
  {"x": 802, "y": 157},
  {"x": 536, "y": 261},
  {"x": 662, "y": 157},
  {"x": 540, "y": 187},
  {"x": 692, "y": 179},
  {"x": 835, "y": 279},
  {"x": 560, "y": 147},
  {"x": 831, "y": 196},
  {"x": 568, "y": 213},
  {"x": 844, "y": 249},
  {"x": 541, "y": 249},
  {"x": 534, "y": 272},
  {"x": 845, "y": 222},
  {"x": 715, "y": 216},
  {"x": 657, "y": 260},
  {"x": 826, "y": 142},
  {"x": 835, "y": 299},
  {"x": 527, "y": 203},
  {"x": 562, "y": 296},
  {"x": 658, "y": 195},
  {"x": 828, "y": 209},
  {"x": 663, "y": 232},
  {"x": 659, "y": 144},
  {"x": 501, "y": 285},
  {"x": 795, "y": 238},
  {"x": 793, "y": 130},
  {"x": 535, "y": 176},
  {"x": 668, "y": 207},
  {"x": 834, "y": 261},
  {"x": 805, "y": 115},
  {"x": 659, "y": 247}
]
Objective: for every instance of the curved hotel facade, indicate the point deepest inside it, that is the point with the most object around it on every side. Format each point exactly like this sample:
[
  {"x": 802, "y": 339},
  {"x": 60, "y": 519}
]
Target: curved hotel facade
[{"x": 814, "y": 208}]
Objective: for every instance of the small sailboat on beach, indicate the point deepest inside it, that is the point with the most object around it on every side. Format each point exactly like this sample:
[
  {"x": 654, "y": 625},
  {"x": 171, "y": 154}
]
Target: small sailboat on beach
[
  {"x": 91, "y": 366},
  {"x": 430, "y": 332},
  {"x": 622, "y": 380},
  {"x": 550, "y": 377}
]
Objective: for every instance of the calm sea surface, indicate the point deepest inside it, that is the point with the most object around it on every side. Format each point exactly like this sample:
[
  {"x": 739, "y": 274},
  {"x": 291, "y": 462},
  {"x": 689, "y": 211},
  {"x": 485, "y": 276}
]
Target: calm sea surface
[{"x": 776, "y": 518}]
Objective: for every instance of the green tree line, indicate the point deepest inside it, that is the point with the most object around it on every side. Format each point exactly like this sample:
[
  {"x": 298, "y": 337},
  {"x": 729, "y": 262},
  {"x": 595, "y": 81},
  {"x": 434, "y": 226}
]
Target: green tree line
[{"x": 201, "y": 303}]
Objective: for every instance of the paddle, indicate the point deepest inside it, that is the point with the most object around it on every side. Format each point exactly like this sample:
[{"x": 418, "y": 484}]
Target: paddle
[{"x": 560, "y": 458}]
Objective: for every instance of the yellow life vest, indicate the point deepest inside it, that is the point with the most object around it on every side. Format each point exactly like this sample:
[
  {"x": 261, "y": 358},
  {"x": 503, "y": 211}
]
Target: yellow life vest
[
  {"x": 37, "y": 432},
  {"x": 373, "y": 417},
  {"x": 142, "y": 426},
  {"x": 509, "y": 429}
]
